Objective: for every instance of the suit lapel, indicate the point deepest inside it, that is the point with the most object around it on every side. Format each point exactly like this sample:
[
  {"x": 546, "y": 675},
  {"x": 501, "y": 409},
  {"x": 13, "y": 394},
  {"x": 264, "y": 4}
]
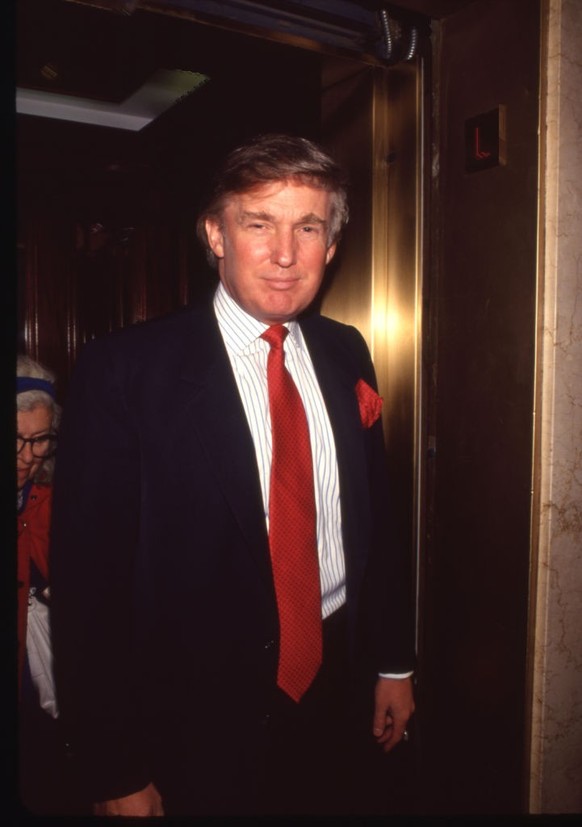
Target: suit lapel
[
  {"x": 212, "y": 407},
  {"x": 337, "y": 378}
]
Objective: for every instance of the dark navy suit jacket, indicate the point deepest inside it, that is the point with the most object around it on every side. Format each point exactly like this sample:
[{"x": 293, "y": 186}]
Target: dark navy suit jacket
[{"x": 164, "y": 616}]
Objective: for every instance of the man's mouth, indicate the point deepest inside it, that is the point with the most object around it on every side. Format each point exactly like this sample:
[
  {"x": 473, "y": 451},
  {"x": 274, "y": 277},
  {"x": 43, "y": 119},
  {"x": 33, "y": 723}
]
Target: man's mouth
[{"x": 282, "y": 283}]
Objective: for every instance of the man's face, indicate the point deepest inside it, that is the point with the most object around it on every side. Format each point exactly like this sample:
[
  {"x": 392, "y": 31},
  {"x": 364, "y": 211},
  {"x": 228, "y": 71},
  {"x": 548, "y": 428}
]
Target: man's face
[{"x": 272, "y": 249}]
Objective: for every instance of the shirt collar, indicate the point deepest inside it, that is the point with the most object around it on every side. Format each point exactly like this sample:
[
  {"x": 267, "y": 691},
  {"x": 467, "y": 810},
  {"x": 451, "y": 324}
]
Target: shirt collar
[{"x": 240, "y": 331}]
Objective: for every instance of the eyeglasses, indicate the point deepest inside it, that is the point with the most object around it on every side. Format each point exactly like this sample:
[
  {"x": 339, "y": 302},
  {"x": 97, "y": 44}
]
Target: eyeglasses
[{"x": 42, "y": 447}]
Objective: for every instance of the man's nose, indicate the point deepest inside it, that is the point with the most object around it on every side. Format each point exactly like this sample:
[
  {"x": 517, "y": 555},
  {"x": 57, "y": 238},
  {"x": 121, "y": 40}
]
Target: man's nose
[{"x": 283, "y": 251}]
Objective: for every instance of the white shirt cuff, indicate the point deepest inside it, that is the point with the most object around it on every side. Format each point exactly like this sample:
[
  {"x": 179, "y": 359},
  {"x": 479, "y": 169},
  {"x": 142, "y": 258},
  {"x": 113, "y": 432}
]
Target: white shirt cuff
[{"x": 399, "y": 676}]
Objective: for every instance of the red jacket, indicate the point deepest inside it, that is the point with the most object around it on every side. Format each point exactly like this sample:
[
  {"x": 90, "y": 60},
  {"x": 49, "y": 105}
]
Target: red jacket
[{"x": 33, "y": 542}]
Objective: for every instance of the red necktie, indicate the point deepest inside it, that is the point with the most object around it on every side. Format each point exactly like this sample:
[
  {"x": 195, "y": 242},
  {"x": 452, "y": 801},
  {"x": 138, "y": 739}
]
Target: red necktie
[{"x": 292, "y": 532}]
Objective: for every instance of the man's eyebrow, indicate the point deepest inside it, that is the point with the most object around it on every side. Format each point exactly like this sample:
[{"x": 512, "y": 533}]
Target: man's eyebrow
[
  {"x": 310, "y": 218},
  {"x": 256, "y": 216}
]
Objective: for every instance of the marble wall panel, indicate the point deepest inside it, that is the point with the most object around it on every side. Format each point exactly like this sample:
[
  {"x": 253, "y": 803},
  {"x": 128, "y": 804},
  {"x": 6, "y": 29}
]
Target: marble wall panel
[{"x": 557, "y": 703}]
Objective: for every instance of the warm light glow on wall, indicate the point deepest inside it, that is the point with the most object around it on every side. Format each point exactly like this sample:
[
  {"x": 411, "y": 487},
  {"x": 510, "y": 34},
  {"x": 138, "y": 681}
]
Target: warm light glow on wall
[
  {"x": 392, "y": 325},
  {"x": 387, "y": 323}
]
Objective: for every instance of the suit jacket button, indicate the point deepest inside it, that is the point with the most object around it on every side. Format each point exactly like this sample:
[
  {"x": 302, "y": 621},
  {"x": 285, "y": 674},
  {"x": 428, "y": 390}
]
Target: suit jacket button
[{"x": 269, "y": 644}]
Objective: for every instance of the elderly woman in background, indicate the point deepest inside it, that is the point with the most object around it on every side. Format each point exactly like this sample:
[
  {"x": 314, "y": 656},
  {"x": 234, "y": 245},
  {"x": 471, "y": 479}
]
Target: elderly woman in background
[
  {"x": 47, "y": 783},
  {"x": 38, "y": 417}
]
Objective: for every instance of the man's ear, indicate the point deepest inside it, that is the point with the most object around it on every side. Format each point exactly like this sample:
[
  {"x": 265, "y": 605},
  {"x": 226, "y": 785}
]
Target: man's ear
[
  {"x": 215, "y": 236},
  {"x": 330, "y": 253}
]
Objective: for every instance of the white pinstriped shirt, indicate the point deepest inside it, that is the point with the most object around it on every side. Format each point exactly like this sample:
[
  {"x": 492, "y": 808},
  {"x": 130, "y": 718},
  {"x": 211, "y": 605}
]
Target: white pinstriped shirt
[{"x": 248, "y": 356}]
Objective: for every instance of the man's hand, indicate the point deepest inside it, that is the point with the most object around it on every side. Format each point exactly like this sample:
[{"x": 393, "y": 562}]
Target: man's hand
[
  {"x": 146, "y": 802},
  {"x": 394, "y": 704}
]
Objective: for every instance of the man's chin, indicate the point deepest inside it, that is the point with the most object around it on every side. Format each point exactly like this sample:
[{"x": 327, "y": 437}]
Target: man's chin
[{"x": 282, "y": 308}]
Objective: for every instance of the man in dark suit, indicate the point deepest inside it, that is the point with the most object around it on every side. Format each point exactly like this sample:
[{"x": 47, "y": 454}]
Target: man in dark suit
[{"x": 172, "y": 632}]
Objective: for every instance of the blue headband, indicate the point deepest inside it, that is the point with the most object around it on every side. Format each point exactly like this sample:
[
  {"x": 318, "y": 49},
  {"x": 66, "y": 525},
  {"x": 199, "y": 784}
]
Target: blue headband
[{"x": 28, "y": 383}]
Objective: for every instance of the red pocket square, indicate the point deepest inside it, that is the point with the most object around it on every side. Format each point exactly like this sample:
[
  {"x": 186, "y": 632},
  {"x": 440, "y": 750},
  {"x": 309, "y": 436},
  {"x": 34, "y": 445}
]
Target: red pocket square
[{"x": 369, "y": 402}]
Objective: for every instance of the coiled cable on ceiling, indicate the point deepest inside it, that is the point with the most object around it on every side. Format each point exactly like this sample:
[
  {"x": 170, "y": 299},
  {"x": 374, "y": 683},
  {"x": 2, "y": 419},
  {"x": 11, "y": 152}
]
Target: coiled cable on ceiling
[{"x": 392, "y": 35}]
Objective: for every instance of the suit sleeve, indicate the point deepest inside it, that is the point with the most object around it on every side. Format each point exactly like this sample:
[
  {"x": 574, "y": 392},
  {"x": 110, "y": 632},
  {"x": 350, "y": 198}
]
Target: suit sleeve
[
  {"x": 93, "y": 546},
  {"x": 387, "y": 597}
]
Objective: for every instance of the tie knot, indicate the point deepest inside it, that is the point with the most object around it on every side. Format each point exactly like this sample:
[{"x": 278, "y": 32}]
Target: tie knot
[{"x": 275, "y": 335}]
